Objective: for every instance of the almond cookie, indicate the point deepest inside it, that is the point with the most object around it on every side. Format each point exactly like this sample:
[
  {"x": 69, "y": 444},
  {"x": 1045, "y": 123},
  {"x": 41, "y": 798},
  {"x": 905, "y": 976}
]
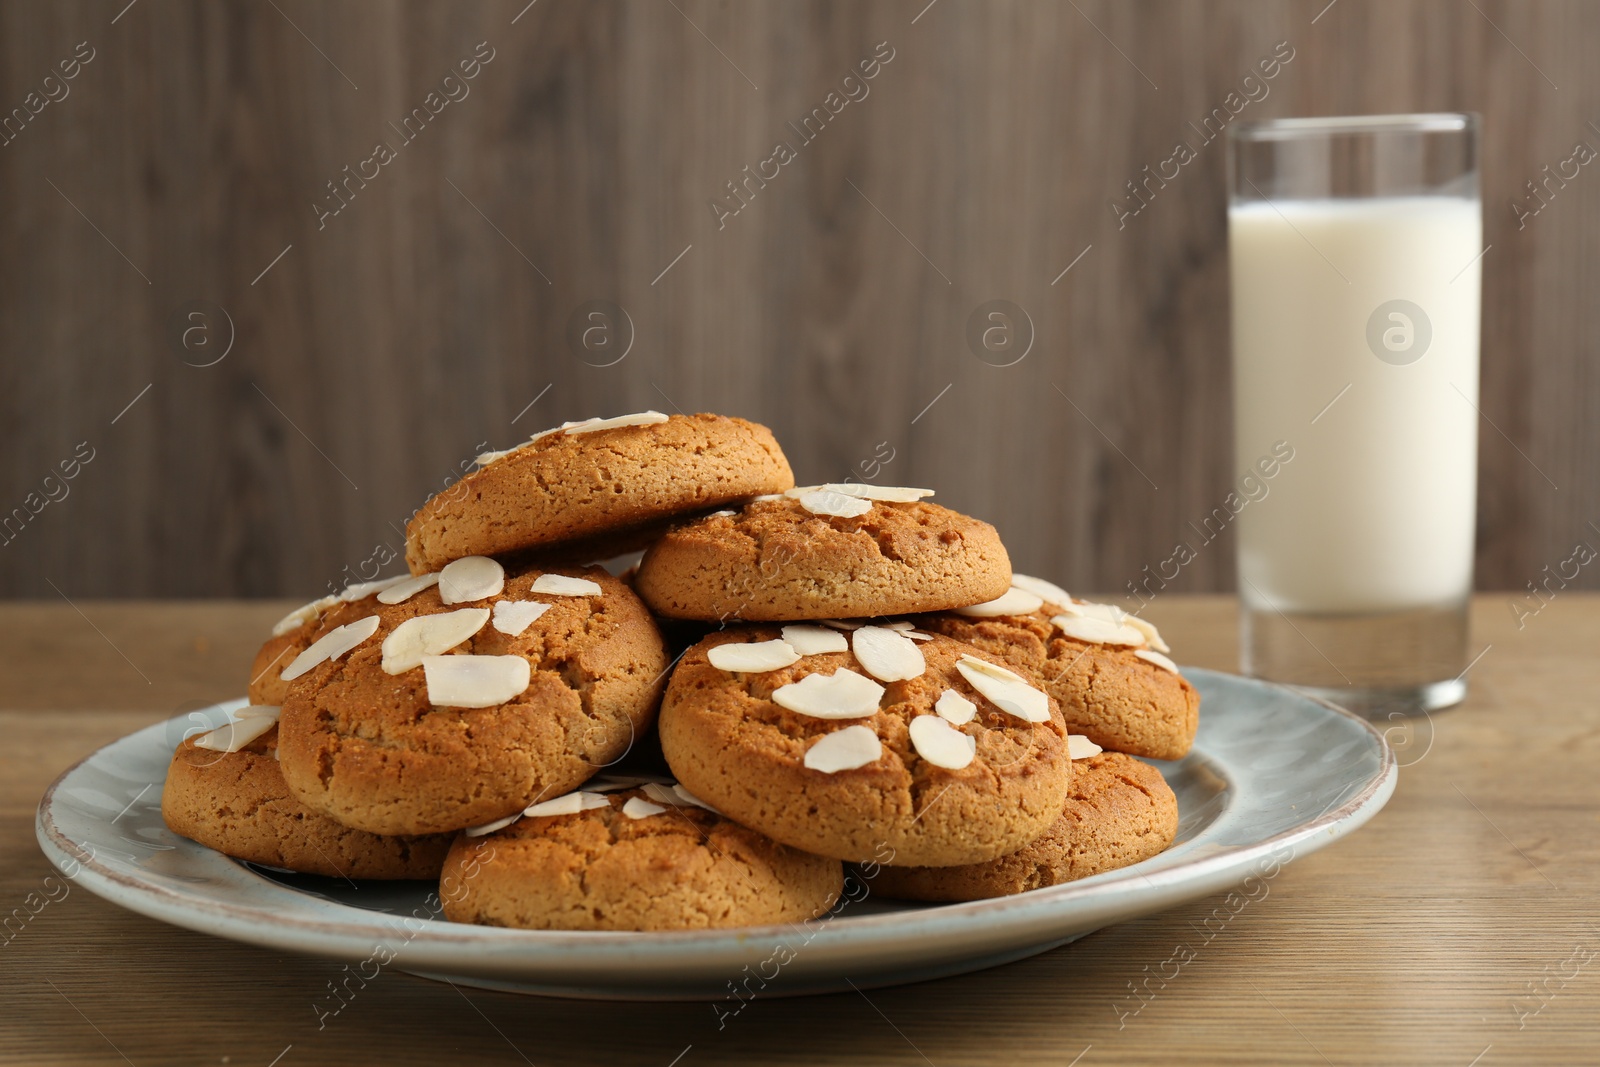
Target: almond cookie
[
  {"x": 598, "y": 477},
  {"x": 641, "y": 859},
  {"x": 1107, "y": 668},
  {"x": 1119, "y": 811},
  {"x": 876, "y": 743},
  {"x": 469, "y": 696},
  {"x": 237, "y": 803},
  {"x": 838, "y": 551}
]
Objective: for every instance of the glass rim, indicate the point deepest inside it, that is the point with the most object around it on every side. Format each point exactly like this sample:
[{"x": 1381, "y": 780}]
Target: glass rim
[{"x": 1334, "y": 125}]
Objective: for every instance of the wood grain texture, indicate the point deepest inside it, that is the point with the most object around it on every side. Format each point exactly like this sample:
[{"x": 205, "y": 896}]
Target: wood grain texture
[
  {"x": 425, "y": 317},
  {"x": 1413, "y": 941}
]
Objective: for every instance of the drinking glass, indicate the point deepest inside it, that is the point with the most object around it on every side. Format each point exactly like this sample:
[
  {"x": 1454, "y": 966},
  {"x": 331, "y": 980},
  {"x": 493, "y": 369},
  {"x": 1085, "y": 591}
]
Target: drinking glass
[{"x": 1355, "y": 247}]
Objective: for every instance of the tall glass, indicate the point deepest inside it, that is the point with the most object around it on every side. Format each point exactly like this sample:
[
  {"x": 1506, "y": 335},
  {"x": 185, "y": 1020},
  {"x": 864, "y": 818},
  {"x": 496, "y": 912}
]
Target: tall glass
[{"x": 1355, "y": 246}]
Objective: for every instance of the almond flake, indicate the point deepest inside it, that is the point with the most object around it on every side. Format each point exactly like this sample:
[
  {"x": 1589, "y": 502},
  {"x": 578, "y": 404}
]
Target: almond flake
[
  {"x": 899, "y": 624},
  {"x": 812, "y": 640},
  {"x": 844, "y": 750},
  {"x": 331, "y": 645},
  {"x": 362, "y": 590},
  {"x": 471, "y": 578},
  {"x": 483, "y": 459},
  {"x": 723, "y": 514},
  {"x": 302, "y": 615},
  {"x": 491, "y": 827},
  {"x": 896, "y": 494},
  {"x": 692, "y": 800},
  {"x": 839, "y": 624},
  {"x": 766, "y": 496},
  {"x": 941, "y": 744},
  {"x": 429, "y": 635},
  {"x": 1152, "y": 636},
  {"x": 1152, "y": 656},
  {"x": 562, "y": 585},
  {"x": 1005, "y": 690},
  {"x": 917, "y": 635},
  {"x": 1013, "y": 601},
  {"x": 474, "y": 681},
  {"x": 752, "y": 657},
  {"x": 828, "y": 502},
  {"x": 886, "y": 655},
  {"x": 514, "y": 616},
  {"x": 842, "y": 695},
  {"x": 955, "y": 708},
  {"x": 401, "y": 592},
  {"x": 643, "y": 418},
  {"x": 243, "y": 727},
  {"x": 1049, "y": 591},
  {"x": 1108, "y": 612},
  {"x": 641, "y": 809},
  {"x": 1093, "y": 631},
  {"x": 1080, "y": 747},
  {"x": 674, "y": 796},
  {"x": 568, "y": 804}
]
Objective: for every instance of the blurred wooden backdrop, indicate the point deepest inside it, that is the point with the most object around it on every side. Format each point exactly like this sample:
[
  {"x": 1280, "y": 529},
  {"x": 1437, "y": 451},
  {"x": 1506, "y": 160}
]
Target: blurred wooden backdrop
[{"x": 178, "y": 174}]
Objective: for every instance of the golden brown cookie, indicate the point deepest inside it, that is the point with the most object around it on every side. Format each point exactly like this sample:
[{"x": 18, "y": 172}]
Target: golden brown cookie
[
  {"x": 915, "y": 775},
  {"x": 1120, "y": 811},
  {"x": 775, "y": 560},
  {"x": 490, "y": 719},
  {"x": 1114, "y": 686},
  {"x": 238, "y": 804},
  {"x": 633, "y": 863},
  {"x": 575, "y": 482}
]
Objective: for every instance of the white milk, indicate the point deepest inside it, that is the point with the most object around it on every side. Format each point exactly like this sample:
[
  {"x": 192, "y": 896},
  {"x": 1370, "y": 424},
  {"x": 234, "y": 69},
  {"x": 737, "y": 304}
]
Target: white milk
[{"x": 1376, "y": 510}]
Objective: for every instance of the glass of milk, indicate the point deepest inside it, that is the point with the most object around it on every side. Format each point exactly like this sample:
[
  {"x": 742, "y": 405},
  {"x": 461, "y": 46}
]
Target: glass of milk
[{"x": 1355, "y": 247}]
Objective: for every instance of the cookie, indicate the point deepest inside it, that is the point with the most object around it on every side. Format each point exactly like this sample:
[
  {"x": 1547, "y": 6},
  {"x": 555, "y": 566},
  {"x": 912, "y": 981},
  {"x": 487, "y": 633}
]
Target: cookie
[
  {"x": 524, "y": 685},
  {"x": 1106, "y": 668},
  {"x": 810, "y": 742},
  {"x": 600, "y": 478},
  {"x": 1119, "y": 811},
  {"x": 295, "y": 632},
  {"x": 788, "y": 559},
  {"x": 238, "y": 804},
  {"x": 641, "y": 859}
]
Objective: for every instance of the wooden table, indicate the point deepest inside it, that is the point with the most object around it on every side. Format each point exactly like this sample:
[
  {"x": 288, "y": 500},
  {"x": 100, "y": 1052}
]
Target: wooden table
[{"x": 1459, "y": 927}]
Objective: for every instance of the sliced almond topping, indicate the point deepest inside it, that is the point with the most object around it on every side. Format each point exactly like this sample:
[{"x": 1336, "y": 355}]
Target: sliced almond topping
[
  {"x": 641, "y": 809},
  {"x": 1048, "y": 591},
  {"x": 828, "y": 502},
  {"x": 940, "y": 743},
  {"x": 483, "y": 459},
  {"x": 514, "y": 616},
  {"x": 955, "y": 708},
  {"x": 400, "y": 592},
  {"x": 429, "y": 635},
  {"x": 917, "y": 635},
  {"x": 839, "y": 624},
  {"x": 1005, "y": 690},
  {"x": 1093, "y": 631},
  {"x": 643, "y": 418},
  {"x": 361, "y": 590},
  {"x": 842, "y": 695},
  {"x": 491, "y": 827},
  {"x": 243, "y": 727},
  {"x": 1080, "y": 747},
  {"x": 302, "y": 615},
  {"x": 897, "y": 494},
  {"x": 766, "y": 496},
  {"x": 331, "y": 645},
  {"x": 898, "y": 624},
  {"x": 562, "y": 585},
  {"x": 1151, "y": 635},
  {"x": 844, "y": 750},
  {"x": 886, "y": 655},
  {"x": 723, "y": 514},
  {"x": 1152, "y": 656},
  {"x": 471, "y": 578},
  {"x": 692, "y": 800},
  {"x": 752, "y": 657},
  {"x": 1108, "y": 612},
  {"x": 474, "y": 681},
  {"x": 811, "y": 640},
  {"x": 674, "y": 795},
  {"x": 569, "y": 804},
  {"x": 1013, "y": 601}
]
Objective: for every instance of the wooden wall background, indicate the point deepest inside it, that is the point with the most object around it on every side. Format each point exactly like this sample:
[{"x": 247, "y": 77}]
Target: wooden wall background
[{"x": 379, "y": 351}]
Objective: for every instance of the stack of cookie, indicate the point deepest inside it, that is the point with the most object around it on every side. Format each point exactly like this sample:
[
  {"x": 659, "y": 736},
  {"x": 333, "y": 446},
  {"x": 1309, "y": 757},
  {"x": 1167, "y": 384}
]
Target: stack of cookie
[{"x": 862, "y": 679}]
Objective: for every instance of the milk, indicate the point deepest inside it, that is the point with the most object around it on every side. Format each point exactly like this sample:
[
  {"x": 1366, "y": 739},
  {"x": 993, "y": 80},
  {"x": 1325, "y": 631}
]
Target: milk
[{"x": 1376, "y": 510}]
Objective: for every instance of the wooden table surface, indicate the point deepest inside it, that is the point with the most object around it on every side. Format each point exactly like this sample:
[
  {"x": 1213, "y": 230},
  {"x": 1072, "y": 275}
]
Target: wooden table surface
[{"x": 1459, "y": 927}]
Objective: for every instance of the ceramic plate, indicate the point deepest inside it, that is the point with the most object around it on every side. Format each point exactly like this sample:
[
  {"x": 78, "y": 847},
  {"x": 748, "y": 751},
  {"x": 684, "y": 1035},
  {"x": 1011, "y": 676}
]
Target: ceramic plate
[{"x": 1273, "y": 775}]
